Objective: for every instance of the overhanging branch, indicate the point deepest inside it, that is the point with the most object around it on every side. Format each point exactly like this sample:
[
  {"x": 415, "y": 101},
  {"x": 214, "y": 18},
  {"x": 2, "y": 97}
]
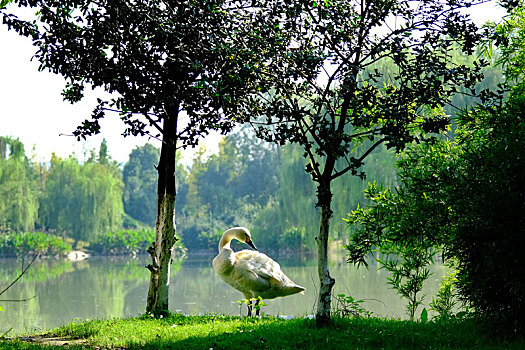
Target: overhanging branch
[
  {"x": 358, "y": 160},
  {"x": 24, "y": 271}
]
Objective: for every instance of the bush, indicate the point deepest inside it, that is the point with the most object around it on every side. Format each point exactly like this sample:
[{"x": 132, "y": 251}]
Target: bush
[
  {"x": 466, "y": 196},
  {"x": 123, "y": 242},
  {"x": 490, "y": 202},
  {"x": 126, "y": 242},
  {"x": 18, "y": 244},
  {"x": 200, "y": 237}
]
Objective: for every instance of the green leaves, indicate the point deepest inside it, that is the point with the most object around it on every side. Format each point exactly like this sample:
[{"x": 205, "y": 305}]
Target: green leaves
[
  {"x": 151, "y": 56},
  {"x": 3, "y": 3},
  {"x": 259, "y": 303},
  {"x": 424, "y": 315},
  {"x": 347, "y": 306},
  {"x": 90, "y": 192},
  {"x": 19, "y": 187},
  {"x": 408, "y": 266},
  {"x": 140, "y": 182},
  {"x": 23, "y": 244}
]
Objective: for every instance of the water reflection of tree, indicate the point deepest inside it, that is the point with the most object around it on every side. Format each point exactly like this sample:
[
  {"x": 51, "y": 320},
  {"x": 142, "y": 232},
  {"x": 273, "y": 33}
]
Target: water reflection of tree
[{"x": 99, "y": 287}]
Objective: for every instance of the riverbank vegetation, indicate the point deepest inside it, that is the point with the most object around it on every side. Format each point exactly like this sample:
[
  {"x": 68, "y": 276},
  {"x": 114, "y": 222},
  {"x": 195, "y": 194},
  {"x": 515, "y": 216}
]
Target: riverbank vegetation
[
  {"x": 21, "y": 244},
  {"x": 247, "y": 183},
  {"x": 226, "y": 332},
  {"x": 119, "y": 242}
]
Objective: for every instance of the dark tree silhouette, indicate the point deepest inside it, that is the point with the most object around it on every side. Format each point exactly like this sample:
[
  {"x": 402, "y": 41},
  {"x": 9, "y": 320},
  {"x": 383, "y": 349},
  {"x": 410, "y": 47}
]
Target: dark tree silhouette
[
  {"x": 323, "y": 89},
  {"x": 161, "y": 60}
]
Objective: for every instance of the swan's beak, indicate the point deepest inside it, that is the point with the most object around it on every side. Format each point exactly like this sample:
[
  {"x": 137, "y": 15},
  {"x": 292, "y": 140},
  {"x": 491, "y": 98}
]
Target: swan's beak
[{"x": 250, "y": 243}]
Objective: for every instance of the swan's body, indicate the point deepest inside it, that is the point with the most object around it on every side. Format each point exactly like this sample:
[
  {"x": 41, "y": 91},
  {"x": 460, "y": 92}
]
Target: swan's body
[{"x": 252, "y": 273}]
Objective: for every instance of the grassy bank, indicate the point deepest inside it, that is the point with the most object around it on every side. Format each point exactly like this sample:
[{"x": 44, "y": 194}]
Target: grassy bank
[{"x": 224, "y": 332}]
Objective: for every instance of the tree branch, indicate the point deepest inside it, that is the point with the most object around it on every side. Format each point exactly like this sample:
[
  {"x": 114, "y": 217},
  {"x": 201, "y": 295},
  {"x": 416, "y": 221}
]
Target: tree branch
[
  {"x": 151, "y": 121},
  {"x": 17, "y": 300},
  {"x": 24, "y": 271},
  {"x": 359, "y": 160}
]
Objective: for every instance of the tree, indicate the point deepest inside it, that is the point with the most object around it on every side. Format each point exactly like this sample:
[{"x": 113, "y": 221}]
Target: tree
[
  {"x": 320, "y": 96},
  {"x": 229, "y": 188},
  {"x": 506, "y": 41},
  {"x": 140, "y": 181},
  {"x": 103, "y": 157},
  {"x": 464, "y": 194},
  {"x": 162, "y": 59},
  {"x": 82, "y": 200},
  {"x": 18, "y": 188}
]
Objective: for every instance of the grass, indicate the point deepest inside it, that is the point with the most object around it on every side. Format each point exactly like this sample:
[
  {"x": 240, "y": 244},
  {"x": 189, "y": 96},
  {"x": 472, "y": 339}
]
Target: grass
[{"x": 226, "y": 332}]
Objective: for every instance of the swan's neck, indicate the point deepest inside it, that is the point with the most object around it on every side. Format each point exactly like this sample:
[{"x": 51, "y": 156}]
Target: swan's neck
[
  {"x": 233, "y": 233},
  {"x": 225, "y": 241}
]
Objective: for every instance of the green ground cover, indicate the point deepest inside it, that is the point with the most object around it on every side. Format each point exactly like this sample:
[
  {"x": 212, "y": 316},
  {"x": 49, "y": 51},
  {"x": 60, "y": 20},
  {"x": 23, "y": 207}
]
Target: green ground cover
[{"x": 225, "y": 332}]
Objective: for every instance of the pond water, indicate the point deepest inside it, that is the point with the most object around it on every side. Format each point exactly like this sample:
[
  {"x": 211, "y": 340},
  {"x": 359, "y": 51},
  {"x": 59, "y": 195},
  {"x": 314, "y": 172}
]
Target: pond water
[{"x": 107, "y": 287}]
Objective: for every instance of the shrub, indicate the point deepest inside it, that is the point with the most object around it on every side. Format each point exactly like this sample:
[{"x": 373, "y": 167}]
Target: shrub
[
  {"x": 18, "y": 244},
  {"x": 445, "y": 300},
  {"x": 126, "y": 242}
]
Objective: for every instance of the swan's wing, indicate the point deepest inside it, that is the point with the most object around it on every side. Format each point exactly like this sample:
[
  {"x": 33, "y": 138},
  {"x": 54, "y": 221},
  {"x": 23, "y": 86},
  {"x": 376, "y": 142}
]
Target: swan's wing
[
  {"x": 261, "y": 265},
  {"x": 258, "y": 275}
]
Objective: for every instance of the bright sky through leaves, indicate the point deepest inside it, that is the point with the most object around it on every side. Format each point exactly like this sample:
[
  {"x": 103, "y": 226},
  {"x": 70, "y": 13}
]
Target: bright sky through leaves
[{"x": 31, "y": 107}]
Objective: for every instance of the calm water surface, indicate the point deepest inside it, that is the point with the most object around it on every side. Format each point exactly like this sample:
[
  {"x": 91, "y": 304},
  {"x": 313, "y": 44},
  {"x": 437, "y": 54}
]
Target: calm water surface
[{"x": 107, "y": 287}]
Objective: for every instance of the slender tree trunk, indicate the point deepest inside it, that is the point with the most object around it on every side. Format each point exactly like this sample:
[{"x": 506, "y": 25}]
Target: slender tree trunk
[
  {"x": 324, "y": 300},
  {"x": 161, "y": 250}
]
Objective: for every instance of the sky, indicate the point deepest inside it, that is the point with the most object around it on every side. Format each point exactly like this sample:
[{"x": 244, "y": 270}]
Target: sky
[{"x": 32, "y": 109}]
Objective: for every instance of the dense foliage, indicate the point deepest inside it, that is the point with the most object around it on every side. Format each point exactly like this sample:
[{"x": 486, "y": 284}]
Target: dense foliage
[
  {"x": 84, "y": 200},
  {"x": 323, "y": 96},
  {"x": 21, "y": 245},
  {"x": 19, "y": 190},
  {"x": 140, "y": 184},
  {"x": 74, "y": 200},
  {"x": 247, "y": 183},
  {"x": 160, "y": 60},
  {"x": 125, "y": 242},
  {"x": 265, "y": 188},
  {"x": 463, "y": 193}
]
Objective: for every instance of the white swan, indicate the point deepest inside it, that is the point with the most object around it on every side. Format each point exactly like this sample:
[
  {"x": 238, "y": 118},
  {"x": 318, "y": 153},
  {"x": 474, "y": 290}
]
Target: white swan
[{"x": 252, "y": 273}]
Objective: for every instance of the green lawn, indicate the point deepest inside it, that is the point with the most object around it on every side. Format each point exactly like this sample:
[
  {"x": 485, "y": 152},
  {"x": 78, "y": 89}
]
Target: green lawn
[{"x": 225, "y": 332}]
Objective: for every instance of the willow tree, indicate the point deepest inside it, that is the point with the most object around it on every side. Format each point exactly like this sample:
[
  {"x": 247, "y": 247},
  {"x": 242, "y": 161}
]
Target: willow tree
[
  {"x": 160, "y": 59},
  {"x": 18, "y": 188},
  {"x": 322, "y": 96},
  {"x": 90, "y": 192}
]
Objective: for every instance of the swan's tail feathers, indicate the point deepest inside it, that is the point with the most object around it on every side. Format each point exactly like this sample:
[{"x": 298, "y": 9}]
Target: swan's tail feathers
[{"x": 293, "y": 289}]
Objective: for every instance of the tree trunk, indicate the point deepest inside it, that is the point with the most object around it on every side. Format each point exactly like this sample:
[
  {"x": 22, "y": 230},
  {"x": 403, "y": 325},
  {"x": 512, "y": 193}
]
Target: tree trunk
[
  {"x": 322, "y": 316},
  {"x": 161, "y": 250}
]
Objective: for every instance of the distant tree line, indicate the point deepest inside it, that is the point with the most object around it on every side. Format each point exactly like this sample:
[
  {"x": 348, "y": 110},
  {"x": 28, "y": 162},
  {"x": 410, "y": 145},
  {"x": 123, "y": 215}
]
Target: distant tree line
[
  {"x": 66, "y": 197},
  {"x": 248, "y": 182},
  {"x": 263, "y": 187}
]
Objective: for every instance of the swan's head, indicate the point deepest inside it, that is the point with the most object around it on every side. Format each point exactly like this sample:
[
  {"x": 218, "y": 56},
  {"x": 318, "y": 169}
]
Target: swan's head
[
  {"x": 242, "y": 234},
  {"x": 248, "y": 240}
]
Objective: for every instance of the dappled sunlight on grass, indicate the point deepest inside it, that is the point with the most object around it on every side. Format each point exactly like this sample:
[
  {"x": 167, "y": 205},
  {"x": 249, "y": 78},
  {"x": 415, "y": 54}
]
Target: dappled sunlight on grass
[{"x": 228, "y": 332}]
